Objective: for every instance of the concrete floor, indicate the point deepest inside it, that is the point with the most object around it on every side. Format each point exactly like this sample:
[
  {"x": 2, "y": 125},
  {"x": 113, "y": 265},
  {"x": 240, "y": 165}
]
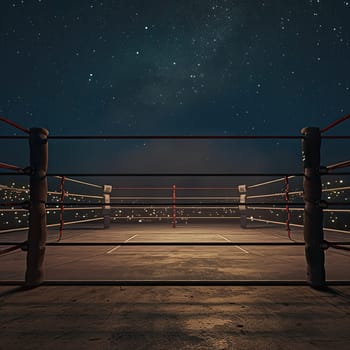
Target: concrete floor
[{"x": 88, "y": 317}]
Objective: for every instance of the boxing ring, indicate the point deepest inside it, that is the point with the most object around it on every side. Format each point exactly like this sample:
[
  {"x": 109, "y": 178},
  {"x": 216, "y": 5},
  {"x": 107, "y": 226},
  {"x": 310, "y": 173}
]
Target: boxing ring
[{"x": 174, "y": 205}]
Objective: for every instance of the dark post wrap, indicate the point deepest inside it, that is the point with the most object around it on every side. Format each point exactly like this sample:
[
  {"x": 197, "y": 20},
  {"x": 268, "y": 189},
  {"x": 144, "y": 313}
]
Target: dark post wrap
[
  {"x": 313, "y": 213},
  {"x": 37, "y": 233}
]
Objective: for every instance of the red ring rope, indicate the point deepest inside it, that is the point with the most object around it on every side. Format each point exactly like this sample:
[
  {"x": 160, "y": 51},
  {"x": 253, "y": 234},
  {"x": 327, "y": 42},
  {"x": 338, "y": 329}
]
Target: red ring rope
[
  {"x": 10, "y": 167},
  {"x": 335, "y": 123},
  {"x": 15, "y": 125},
  {"x": 62, "y": 208}
]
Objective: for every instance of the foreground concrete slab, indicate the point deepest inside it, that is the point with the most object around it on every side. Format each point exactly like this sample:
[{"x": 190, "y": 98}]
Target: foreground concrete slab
[{"x": 174, "y": 318}]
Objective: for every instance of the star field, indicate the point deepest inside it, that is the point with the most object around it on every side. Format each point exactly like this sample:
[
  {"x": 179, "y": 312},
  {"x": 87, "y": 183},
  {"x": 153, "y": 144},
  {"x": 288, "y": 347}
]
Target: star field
[{"x": 176, "y": 67}]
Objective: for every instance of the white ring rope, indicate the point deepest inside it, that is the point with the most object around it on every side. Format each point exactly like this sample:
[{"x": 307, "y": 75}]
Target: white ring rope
[
  {"x": 79, "y": 182},
  {"x": 274, "y": 222},
  {"x": 14, "y": 189},
  {"x": 299, "y": 209},
  {"x": 14, "y": 229},
  {"x": 178, "y": 207},
  {"x": 296, "y": 225},
  {"x": 338, "y": 210},
  {"x": 335, "y": 230},
  {"x": 298, "y": 192},
  {"x": 12, "y": 209},
  {"x": 27, "y": 190},
  {"x": 121, "y": 207},
  {"x": 270, "y": 182},
  {"x": 171, "y": 218},
  {"x": 336, "y": 189},
  {"x": 76, "y": 222},
  {"x": 171, "y": 206},
  {"x": 68, "y": 194},
  {"x": 177, "y": 198},
  {"x": 58, "y": 209},
  {"x": 274, "y": 194},
  {"x": 278, "y": 208},
  {"x": 51, "y": 225}
]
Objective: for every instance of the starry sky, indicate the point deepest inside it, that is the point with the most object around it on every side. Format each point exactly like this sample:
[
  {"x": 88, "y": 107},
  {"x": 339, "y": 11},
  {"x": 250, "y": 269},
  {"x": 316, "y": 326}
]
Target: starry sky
[{"x": 184, "y": 67}]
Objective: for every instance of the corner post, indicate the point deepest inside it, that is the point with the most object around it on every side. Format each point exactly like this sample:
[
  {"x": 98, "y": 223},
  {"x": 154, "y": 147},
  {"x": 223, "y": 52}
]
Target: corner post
[
  {"x": 37, "y": 233},
  {"x": 242, "y": 189},
  {"x": 313, "y": 212},
  {"x": 106, "y": 212}
]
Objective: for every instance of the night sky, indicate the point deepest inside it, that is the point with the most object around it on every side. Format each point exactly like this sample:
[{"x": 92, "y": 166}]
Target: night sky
[{"x": 193, "y": 67}]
